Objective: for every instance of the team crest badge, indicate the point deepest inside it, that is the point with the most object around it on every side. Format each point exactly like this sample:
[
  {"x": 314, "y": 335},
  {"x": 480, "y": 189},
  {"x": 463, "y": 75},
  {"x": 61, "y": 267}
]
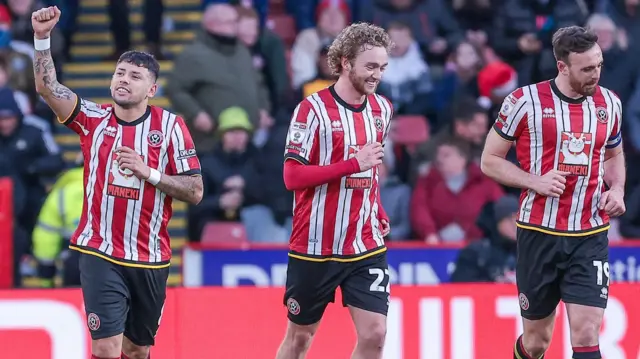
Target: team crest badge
[
  {"x": 155, "y": 138},
  {"x": 93, "y": 322},
  {"x": 293, "y": 306},
  {"x": 524, "y": 301},
  {"x": 602, "y": 115},
  {"x": 378, "y": 122}
]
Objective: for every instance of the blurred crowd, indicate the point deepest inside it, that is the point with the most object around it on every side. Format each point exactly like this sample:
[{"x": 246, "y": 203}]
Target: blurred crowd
[{"x": 251, "y": 62}]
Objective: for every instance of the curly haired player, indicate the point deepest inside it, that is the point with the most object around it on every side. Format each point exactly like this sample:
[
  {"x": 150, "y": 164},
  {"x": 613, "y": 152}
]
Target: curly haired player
[{"x": 334, "y": 146}]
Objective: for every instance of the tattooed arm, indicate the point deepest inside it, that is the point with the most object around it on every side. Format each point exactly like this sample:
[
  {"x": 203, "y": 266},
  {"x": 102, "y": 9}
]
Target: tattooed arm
[
  {"x": 61, "y": 100},
  {"x": 182, "y": 187}
]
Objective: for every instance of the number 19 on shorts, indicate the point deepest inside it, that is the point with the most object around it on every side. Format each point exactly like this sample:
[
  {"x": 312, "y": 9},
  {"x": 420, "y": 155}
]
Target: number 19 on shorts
[{"x": 601, "y": 267}]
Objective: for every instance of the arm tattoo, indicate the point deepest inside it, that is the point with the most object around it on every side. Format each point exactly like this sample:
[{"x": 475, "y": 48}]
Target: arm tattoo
[
  {"x": 45, "y": 72},
  {"x": 183, "y": 188}
]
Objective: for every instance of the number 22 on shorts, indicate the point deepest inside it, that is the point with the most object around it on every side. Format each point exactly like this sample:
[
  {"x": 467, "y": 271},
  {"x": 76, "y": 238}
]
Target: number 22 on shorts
[{"x": 380, "y": 274}]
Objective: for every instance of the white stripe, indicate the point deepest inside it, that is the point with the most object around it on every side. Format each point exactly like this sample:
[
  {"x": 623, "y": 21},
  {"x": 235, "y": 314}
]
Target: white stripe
[
  {"x": 363, "y": 212},
  {"x": 93, "y": 163},
  {"x": 371, "y": 208},
  {"x": 345, "y": 195},
  {"x": 534, "y": 119},
  {"x": 50, "y": 143},
  {"x": 180, "y": 145}
]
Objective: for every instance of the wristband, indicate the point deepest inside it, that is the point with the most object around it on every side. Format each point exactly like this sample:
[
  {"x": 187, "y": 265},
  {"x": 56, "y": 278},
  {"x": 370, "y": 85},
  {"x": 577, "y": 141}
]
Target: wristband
[
  {"x": 154, "y": 177},
  {"x": 42, "y": 44}
]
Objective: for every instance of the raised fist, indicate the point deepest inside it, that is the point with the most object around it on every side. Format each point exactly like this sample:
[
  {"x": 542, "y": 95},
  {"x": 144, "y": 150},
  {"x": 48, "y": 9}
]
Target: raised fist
[{"x": 44, "y": 20}]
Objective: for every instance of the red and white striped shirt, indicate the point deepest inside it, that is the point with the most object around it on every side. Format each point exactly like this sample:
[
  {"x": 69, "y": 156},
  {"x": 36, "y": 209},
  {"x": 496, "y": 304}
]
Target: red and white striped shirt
[
  {"x": 553, "y": 131},
  {"x": 124, "y": 219},
  {"x": 339, "y": 219}
]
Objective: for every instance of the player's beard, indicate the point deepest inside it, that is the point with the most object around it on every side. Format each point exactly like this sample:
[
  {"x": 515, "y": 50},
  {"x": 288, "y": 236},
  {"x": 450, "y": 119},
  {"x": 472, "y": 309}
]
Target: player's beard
[
  {"x": 581, "y": 88},
  {"x": 359, "y": 83},
  {"x": 126, "y": 104}
]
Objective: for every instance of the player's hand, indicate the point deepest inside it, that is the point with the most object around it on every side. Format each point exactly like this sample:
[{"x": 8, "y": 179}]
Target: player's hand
[
  {"x": 612, "y": 201},
  {"x": 551, "y": 184},
  {"x": 370, "y": 156},
  {"x": 386, "y": 227},
  {"x": 44, "y": 20},
  {"x": 131, "y": 160},
  {"x": 203, "y": 122}
]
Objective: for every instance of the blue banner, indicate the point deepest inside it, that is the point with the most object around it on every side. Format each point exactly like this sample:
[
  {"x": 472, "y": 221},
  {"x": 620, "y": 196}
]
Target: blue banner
[{"x": 408, "y": 266}]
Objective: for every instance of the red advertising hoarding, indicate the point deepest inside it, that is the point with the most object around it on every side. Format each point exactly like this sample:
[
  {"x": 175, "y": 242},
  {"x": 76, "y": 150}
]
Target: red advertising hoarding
[{"x": 439, "y": 322}]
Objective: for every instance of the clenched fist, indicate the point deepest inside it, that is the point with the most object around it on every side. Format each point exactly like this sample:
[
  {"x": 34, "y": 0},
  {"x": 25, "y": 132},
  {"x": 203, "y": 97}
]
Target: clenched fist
[
  {"x": 370, "y": 156},
  {"x": 551, "y": 184},
  {"x": 44, "y": 20}
]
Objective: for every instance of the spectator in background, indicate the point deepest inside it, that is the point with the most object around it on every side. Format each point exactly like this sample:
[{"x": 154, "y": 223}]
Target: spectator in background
[
  {"x": 332, "y": 16},
  {"x": 121, "y": 28},
  {"x": 523, "y": 30},
  {"x": 492, "y": 259},
  {"x": 431, "y": 22},
  {"x": 32, "y": 156},
  {"x": 323, "y": 79},
  {"x": 620, "y": 67},
  {"x": 460, "y": 76},
  {"x": 395, "y": 197},
  {"x": 475, "y": 17},
  {"x": 214, "y": 73},
  {"x": 469, "y": 124},
  {"x": 58, "y": 219},
  {"x": 228, "y": 173},
  {"x": 626, "y": 15},
  {"x": 447, "y": 200},
  {"x": 406, "y": 82},
  {"x": 495, "y": 82},
  {"x": 268, "y": 55}
]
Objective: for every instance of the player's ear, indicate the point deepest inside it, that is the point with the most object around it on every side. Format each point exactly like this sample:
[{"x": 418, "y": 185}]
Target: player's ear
[
  {"x": 152, "y": 90},
  {"x": 563, "y": 68},
  {"x": 346, "y": 64}
]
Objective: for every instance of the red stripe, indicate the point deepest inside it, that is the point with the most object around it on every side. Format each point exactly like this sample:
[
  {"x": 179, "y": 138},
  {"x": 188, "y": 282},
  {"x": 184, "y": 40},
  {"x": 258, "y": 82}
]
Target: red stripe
[
  {"x": 576, "y": 120},
  {"x": 599, "y": 141},
  {"x": 592, "y": 349},
  {"x": 547, "y": 153},
  {"x": 104, "y": 159},
  {"x": 331, "y": 216}
]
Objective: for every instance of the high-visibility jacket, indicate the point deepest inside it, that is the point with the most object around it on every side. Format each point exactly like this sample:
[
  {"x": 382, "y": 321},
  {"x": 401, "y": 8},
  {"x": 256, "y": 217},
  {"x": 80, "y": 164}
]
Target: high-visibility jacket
[{"x": 58, "y": 219}]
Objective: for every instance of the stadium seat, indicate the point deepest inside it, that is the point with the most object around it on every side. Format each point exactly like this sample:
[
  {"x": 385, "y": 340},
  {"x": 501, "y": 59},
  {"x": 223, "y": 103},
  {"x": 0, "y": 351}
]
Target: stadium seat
[
  {"x": 225, "y": 234},
  {"x": 284, "y": 26},
  {"x": 409, "y": 130},
  {"x": 276, "y": 7}
]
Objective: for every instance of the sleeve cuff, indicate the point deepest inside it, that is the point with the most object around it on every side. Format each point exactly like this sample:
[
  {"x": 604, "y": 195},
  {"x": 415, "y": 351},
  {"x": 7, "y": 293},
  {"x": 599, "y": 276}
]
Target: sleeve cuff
[
  {"x": 502, "y": 134},
  {"x": 74, "y": 113},
  {"x": 293, "y": 156},
  {"x": 194, "y": 172}
]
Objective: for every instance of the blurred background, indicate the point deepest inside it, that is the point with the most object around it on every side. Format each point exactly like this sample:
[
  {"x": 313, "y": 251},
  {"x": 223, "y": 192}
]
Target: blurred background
[{"x": 235, "y": 72}]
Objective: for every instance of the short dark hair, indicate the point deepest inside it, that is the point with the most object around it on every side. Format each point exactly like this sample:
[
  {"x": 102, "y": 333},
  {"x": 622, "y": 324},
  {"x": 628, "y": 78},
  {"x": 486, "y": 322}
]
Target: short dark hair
[
  {"x": 465, "y": 108},
  {"x": 463, "y": 147},
  {"x": 572, "y": 39},
  {"x": 142, "y": 59}
]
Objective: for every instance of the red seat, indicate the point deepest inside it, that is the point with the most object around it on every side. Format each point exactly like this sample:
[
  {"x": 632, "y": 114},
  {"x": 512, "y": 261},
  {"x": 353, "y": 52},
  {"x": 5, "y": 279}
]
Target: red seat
[
  {"x": 225, "y": 234},
  {"x": 284, "y": 26},
  {"x": 409, "y": 130},
  {"x": 276, "y": 7}
]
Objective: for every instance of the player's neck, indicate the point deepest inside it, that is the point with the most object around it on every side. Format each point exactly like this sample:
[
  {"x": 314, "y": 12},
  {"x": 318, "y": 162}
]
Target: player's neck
[
  {"x": 565, "y": 89},
  {"x": 346, "y": 91},
  {"x": 130, "y": 114}
]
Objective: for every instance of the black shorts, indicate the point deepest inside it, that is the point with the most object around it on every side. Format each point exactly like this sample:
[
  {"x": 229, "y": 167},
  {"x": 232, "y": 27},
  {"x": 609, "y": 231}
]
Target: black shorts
[
  {"x": 312, "y": 285},
  {"x": 551, "y": 268},
  {"x": 121, "y": 299}
]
